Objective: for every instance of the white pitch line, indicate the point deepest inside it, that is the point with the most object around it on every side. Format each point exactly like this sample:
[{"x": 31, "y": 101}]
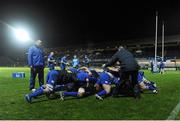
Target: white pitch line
[{"x": 174, "y": 112}]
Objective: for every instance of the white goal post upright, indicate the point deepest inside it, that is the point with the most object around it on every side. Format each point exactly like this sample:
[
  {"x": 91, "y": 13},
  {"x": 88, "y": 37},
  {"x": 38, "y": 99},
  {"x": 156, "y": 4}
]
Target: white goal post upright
[
  {"x": 156, "y": 34},
  {"x": 155, "y": 46},
  {"x": 163, "y": 41}
]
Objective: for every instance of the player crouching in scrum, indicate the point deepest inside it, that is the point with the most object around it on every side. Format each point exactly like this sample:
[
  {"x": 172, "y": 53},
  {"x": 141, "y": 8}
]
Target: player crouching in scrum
[
  {"x": 145, "y": 84},
  {"x": 83, "y": 86},
  {"x": 105, "y": 80},
  {"x": 51, "y": 80}
]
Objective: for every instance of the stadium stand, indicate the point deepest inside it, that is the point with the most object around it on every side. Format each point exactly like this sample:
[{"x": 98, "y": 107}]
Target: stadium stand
[{"x": 143, "y": 50}]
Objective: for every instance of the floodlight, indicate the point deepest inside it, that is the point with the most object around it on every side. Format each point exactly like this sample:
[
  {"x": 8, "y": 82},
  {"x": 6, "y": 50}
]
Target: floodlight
[{"x": 22, "y": 35}]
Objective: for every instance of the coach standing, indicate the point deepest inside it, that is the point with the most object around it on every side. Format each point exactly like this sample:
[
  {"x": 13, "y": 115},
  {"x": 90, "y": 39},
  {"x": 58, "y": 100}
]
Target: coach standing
[
  {"x": 36, "y": 63},
  {"x": 129, "y": 69}
]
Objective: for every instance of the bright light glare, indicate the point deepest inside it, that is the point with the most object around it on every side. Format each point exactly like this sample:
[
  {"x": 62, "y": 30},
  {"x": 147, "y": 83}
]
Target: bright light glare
[{"x": 22, "y": 35}]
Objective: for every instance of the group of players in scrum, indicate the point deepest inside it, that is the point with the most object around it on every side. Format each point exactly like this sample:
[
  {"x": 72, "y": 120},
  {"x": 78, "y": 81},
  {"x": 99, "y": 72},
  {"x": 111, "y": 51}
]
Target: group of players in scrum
[{"x": 84, "y": 81}]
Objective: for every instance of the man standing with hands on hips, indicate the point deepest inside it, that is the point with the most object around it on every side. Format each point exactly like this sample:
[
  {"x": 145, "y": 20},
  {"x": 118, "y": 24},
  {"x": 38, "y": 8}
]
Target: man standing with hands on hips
[{"x": 36, "y": 64}]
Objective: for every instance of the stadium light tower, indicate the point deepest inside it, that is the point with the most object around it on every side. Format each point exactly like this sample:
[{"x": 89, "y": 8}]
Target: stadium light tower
[{"x": 21, "y": 35}]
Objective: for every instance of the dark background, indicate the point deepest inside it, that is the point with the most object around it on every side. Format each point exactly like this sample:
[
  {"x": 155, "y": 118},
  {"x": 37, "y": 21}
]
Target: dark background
[{"x": 60, "y": 23}]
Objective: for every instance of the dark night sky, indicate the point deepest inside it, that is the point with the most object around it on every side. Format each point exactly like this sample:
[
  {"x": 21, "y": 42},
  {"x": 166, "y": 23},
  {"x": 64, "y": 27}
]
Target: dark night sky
[{"x": 66, "y": 22}]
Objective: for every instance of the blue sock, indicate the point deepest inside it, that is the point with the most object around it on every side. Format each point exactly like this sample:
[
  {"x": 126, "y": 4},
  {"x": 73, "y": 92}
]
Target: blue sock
[
  {"x": 151, "y": 87},
  {"x": 74, "y": 94},
  {"x": 39, "y": 91},
  {"x": 103, "y": 92}
]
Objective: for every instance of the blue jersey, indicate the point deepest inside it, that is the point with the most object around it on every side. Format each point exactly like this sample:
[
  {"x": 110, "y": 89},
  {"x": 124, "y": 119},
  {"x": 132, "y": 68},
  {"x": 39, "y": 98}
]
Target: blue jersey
[
  {"x": 82, "y": 75},
  {"x": 140, "y": 76},
  {"x": 105, "y": 78},
  {"x": 75, "y": 62},
  {"x": 86, "y": 60},
  {"x": 52, "y": 77},
  {"x": 63, "y": 59},
  {"x": 63, "y": 62},
  {"x": 50, "y": 58}
]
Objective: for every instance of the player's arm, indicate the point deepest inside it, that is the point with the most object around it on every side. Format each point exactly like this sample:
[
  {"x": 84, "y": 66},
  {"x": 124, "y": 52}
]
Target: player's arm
[
  {"x": 86, "y": 69},
  {"x": 113, "y": 69},
  {"x": 112, "y": 61},
  {"x": 49, "y": 60},
  {"x": 63, "y": 61}
]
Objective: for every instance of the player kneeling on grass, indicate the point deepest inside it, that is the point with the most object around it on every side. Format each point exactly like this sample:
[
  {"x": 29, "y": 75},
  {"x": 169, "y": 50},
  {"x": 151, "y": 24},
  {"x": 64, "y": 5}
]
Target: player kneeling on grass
[
  {"x": 105, "y": 80},
  {"x": 83, "y": 85},
  {"x": 145, "y": 84},
  {"x": 51, "y": 81}
]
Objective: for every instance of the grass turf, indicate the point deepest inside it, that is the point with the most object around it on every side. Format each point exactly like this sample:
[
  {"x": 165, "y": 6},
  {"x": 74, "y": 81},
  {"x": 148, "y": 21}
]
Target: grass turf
[{"x": 13, "y": 105}]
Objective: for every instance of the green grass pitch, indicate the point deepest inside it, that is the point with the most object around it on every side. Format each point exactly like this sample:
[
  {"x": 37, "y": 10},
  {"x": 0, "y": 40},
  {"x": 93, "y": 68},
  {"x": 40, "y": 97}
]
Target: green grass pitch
[{"x": 13, "y": 105}]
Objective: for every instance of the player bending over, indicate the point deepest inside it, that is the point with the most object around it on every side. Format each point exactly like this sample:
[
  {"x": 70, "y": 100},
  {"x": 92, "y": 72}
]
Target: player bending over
[
  {"x": 51, "y": 81},
  {"x": 105, "y": 80},
  {"x": 146, "y": 84},
  {"x": 83, "y": 86}
]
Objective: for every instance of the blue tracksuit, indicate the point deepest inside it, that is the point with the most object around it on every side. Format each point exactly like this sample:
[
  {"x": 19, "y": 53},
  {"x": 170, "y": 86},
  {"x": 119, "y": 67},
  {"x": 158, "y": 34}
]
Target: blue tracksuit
[
  {"x": 35, "y": 56},
  {"x": 36, "y": 61}
]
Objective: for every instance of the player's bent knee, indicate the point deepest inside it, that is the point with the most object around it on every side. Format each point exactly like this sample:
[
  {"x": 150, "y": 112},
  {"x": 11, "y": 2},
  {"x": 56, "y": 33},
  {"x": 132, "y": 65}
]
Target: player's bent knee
[
  {"x": 81, "y": 92},
  {"x": 108, "y": 91},
  {"x": 142, "y": 86},
  {"x": 107, "y": 88},
  {"x": 46, "y": 90}
]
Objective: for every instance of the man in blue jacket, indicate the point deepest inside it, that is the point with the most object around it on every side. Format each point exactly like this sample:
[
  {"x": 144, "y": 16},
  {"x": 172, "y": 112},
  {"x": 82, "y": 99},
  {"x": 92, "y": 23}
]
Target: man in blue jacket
[{"x": 36, "y": 63}]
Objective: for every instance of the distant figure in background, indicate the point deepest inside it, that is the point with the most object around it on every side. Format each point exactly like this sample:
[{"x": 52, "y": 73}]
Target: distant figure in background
[
  {"x": 161, "y": 67},
  {"x": 75, "y": 62},
  {"x": 63, "y": 62},
  {"x": 36, "y": 63},
  {"x": 86, "y": 61},
  {"x": 151, "y": 66},
  {"x": 128, "y": 71},
  {"x": 51, "y": 59}
]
